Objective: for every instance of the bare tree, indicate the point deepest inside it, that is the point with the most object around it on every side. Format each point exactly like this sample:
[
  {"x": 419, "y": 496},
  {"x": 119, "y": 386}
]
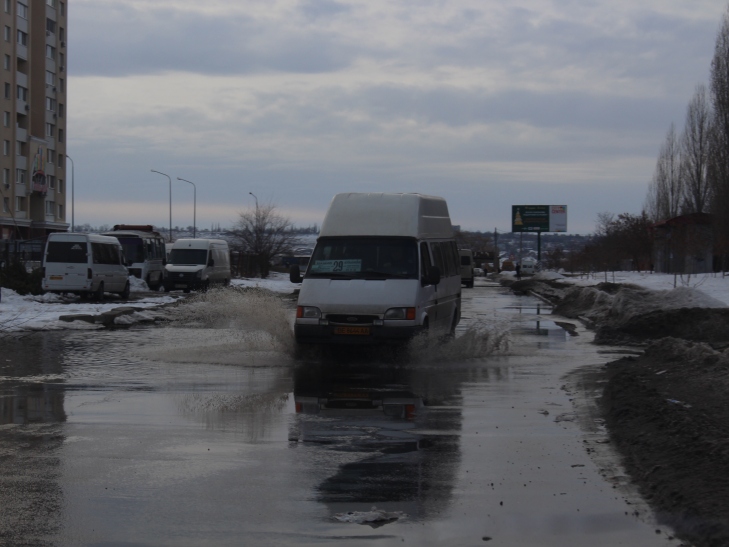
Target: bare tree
[
  {"x": 718, "y": 169},
  {"x": 265, "y": 234},
  {"x": 695, "y": 153},
  {"x": 666, "y": 190}
]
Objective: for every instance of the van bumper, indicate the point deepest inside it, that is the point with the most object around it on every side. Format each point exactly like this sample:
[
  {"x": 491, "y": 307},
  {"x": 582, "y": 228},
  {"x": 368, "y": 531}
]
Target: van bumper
[{"x": 325, "y": 334}]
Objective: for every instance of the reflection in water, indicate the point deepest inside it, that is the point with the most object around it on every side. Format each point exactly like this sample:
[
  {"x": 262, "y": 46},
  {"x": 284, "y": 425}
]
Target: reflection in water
[
  {"x": 385, "y": 444},
  {"x": 31, "y": 411}
]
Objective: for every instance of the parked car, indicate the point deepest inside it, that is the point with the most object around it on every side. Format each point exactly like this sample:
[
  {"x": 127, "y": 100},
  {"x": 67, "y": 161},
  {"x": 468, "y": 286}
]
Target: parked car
[{"x": 478, "y": 272}]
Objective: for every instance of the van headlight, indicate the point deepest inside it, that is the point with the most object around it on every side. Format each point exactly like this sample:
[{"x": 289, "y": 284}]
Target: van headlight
[
  {"x": 307, "y": 312},
  {"x": 199, "y": 274},
  {"x": 400, "y": 313}
]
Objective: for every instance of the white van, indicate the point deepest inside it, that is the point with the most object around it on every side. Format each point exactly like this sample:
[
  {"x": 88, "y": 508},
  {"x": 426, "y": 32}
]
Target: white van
[
  {"x": 84, "y": 264},
  {"x": 197, "y": 264},
  {"x": 467, "y": 273},
  {"x": 385, "y": 268},
  {"x": 529, "y": 266}
]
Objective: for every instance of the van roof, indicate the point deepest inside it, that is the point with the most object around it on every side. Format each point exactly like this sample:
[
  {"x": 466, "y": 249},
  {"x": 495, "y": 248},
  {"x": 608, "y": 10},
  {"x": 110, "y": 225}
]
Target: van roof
[
  {"x": 197, "y": 243},
  {"x": 380, "y": 214},
  {"x": 70, "y": 236}
]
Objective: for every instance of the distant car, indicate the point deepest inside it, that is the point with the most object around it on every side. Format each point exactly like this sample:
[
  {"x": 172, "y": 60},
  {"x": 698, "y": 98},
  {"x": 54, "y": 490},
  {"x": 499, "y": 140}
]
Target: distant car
[{"x": 478, "y": 272}]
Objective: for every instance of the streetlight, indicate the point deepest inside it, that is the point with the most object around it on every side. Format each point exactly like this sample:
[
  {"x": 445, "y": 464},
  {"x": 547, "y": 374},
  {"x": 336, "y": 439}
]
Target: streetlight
[
  {"x": 73, "y": 209},
  {"x": 194, "y": 204},
  {"x": 254, "y": 197},
  {"x": 169, "y": 179}
]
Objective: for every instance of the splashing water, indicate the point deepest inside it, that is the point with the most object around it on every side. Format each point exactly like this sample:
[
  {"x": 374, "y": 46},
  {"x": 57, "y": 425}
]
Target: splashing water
[{"x": 480, "y": 339}]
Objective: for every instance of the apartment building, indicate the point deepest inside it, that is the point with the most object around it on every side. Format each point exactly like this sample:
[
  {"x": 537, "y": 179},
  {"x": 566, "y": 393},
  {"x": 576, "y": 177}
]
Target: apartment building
[{"x": 33, "y": 182}]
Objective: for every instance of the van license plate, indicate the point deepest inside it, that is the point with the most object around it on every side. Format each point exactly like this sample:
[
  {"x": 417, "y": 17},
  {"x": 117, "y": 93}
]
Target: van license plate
[
  {"x": 57, "y": 277},
  {"x": 352, "y": 330}
]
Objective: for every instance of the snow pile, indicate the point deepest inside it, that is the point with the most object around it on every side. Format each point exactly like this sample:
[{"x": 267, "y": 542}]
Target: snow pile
[{"x": 374, "y": 517}]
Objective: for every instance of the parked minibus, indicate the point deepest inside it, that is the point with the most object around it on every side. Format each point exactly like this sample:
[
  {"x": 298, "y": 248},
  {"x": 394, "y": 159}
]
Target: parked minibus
[
  {"x": 385, "y": 268},
  {"x": 144, "y": 252},
  {"x": 197, "y": 264},
  {"x": 84, "y": 264}
]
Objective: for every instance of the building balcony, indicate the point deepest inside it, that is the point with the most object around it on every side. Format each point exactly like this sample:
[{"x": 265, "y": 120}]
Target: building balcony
[
  {"x": 21, "y": 134},
  {"x": 21, "y": 162},
  {"x": 21, "y": 107}
]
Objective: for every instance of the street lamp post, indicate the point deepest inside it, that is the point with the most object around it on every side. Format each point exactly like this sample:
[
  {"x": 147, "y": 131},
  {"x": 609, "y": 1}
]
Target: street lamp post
[
  {"x": 73, "y": 208},
  {"x": 194, "y": 205},
  {"x": 254, "y": 197},
  {"x": 170, "y": 181}
]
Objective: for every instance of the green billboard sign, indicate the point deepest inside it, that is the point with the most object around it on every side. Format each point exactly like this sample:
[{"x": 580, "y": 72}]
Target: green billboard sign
[{"x": 538, "y": 218}]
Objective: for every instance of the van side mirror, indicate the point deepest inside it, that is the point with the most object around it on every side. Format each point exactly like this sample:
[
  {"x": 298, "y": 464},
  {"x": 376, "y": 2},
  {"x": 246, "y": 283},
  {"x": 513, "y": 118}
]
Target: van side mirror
[
  {"x": 431, "y": 276},
  {"x": 295, "y": 274}
]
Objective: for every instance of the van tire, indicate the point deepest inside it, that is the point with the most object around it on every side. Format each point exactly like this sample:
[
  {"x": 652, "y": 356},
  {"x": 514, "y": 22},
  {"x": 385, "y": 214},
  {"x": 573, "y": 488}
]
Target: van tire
[
  {"x": 125, "y": 293},
  {"x": 152, "y": 286},
  {"x": 99, "y": 294}
]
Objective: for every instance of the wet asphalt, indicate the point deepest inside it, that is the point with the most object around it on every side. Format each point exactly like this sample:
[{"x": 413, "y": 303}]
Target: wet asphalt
[{"x": 197, "y": 434}]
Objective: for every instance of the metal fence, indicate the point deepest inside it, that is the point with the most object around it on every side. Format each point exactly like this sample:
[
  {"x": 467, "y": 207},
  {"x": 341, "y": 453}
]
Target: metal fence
[{"x": 28, "y": 252}]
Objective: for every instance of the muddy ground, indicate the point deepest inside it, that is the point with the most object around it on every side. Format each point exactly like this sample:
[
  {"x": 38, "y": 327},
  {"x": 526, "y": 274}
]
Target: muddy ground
[{"x": 667, "y": 410}]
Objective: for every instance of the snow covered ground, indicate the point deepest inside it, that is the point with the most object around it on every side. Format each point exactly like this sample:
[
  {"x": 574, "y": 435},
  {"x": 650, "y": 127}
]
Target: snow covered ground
[{"x": 31, "y": 313}]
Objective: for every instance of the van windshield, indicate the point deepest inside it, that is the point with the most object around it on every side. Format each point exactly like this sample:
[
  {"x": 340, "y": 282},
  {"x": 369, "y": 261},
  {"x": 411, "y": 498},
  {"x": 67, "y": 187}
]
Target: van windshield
[
  {"x": 66, "y": 251},
  {"x": 364, "y": 258},
  {"x": 187, "y": 257}
]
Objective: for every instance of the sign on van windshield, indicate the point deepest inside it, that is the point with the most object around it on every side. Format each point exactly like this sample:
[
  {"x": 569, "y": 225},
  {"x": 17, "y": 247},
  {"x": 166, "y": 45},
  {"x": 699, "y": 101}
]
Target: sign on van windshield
[{"x": 332, "y": 266}]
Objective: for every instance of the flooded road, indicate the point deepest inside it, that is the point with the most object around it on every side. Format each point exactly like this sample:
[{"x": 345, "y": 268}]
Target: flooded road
[{"x": 209, "y": 432}]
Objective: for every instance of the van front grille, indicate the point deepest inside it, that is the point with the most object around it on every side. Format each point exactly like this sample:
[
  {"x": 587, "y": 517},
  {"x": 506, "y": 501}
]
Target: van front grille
[{"x": 351, "y": 319}]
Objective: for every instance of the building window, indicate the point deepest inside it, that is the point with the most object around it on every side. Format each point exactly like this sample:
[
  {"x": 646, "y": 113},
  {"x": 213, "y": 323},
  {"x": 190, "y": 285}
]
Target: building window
[
  {"x": 60, "y": 135},
  {"x": 20, "y": 148},
  {"x": 6, "y": 205},
  {"x": 60, "y": 110},
  {"x": 51, "y": 181},
  {"x": 6, "y": 62},
  {"x": 22, "y": 38},
  {"x": 7, "y": 33},
  {"x": 62, "y": 84},
  {"x": 51, "y": 156},
  {"x": 51, "y": 3},
  {"x": 20, "y": 203},
  {"x": 63, "y": 8},
  {"x": 51, "y": 26},
  {"x": 50, "y": 77},
  {"x": 22, "y": 93},
  {"x": 50, "y": 130},
  {"x": 60, "y": 210},
  {"x": 60, "y": 160},
  {"x": 50, "y": 104},
  {"x": 6, "y": 148},
  {"x": 6, "y": 119},
  {"x": 20, "y": 176},
  {"x": 60, "y": 187},
  {"x": 50, "y": 207},
  {"x": 7, "y": 6},
  {"x": 6, "y": 176},
  {"x": 62, "y": 34},
  {"x": 22, "y": 10},
  {"x": 7, "y": 90},
  {"x": 50, "y": 52}
]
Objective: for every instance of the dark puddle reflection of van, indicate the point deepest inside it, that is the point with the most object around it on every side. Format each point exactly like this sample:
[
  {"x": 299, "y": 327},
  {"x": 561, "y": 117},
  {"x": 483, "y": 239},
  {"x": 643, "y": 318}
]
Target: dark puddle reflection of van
[{"x": 381, "y": 442}]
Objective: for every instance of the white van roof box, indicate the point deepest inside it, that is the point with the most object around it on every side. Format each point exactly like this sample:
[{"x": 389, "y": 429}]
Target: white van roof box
[{"x": 409, "y": 215}]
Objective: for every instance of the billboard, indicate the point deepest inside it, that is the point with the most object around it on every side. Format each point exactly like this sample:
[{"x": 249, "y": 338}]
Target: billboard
[{"x": 538, "y": 218}]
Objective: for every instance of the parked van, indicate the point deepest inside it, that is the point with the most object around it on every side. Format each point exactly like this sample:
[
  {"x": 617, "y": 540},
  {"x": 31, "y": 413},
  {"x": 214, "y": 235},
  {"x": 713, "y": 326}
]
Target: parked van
[
  {"x": 84, "y": 264},
  {"x": 144, "y": 252},
  {"x": 385, "y": 268},
  {"x": 197, "y": 264},
  {"x": 467, "y": 273}
]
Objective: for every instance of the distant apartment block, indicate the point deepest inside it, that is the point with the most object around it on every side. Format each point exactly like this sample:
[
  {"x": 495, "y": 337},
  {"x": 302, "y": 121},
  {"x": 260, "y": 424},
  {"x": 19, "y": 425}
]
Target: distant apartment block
[{"x": 33, "y": 106}]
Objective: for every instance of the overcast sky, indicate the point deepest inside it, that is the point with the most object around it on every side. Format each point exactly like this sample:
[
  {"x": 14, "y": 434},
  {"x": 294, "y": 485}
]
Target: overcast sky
[{"x": 488, "y": 103}]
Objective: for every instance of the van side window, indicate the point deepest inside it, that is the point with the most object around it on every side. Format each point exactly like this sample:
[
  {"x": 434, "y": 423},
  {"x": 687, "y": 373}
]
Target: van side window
[
  {"x": 66, "y": 251},
  {"x": 438, "y": 258},
  {"x": 105, "y": 254},
  {"x": 425, "y": 262}
]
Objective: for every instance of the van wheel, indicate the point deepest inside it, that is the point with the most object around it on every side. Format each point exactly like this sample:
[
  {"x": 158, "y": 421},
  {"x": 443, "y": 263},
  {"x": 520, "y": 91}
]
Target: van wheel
[
  {"x": 99, "y": 294},
  {"x": 125, "y": 293},
  {"x": 152, "y": 286}
]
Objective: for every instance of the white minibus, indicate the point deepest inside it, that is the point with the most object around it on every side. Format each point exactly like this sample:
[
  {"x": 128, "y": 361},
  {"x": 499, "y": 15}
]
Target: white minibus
[
  {"x": 144, "y": 252},
  {"x": 385, "y": 268},
  {"x": 84, "y": 264},
  {"x": 197, "y": 264}
]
